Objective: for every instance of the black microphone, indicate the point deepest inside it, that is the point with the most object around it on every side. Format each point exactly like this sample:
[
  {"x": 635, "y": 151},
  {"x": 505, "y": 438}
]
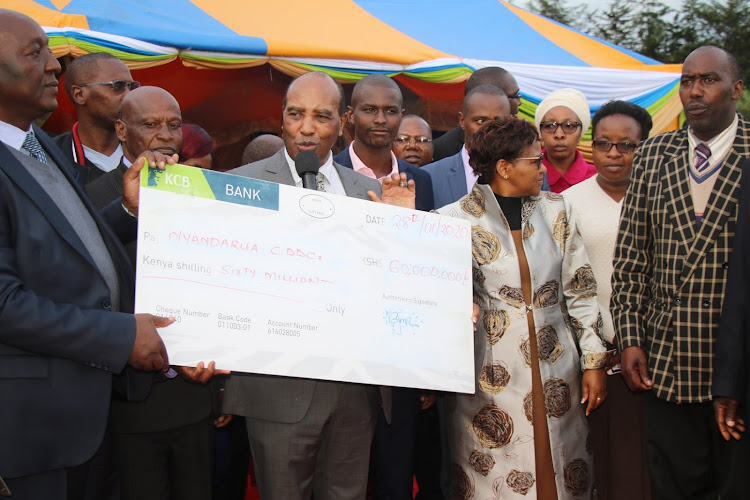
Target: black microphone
[{"x": 307, "y": 167}]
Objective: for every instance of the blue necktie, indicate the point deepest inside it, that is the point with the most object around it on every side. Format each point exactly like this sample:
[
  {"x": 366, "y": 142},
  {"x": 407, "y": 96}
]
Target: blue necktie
[{"x": 31, "y": 144}]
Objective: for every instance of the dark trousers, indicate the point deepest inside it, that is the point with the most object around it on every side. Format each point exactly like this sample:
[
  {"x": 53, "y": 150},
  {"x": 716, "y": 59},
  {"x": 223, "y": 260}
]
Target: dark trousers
[
  {"x": 687, "y": 457},
  {"x": 95, "y": 479},
  {"x": 428, "y": 454},
  {"x": 392, "y": 459},
  {"x": 175, "y": 464}
]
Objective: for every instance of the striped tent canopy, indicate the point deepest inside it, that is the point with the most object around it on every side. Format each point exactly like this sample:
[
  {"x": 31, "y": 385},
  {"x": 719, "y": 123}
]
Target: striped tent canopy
[{"x": 431, "y": 48}]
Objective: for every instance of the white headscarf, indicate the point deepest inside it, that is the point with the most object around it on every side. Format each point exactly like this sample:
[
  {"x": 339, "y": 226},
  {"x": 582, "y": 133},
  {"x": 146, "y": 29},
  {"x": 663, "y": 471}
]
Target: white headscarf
[{"x": 571, "y": 99}]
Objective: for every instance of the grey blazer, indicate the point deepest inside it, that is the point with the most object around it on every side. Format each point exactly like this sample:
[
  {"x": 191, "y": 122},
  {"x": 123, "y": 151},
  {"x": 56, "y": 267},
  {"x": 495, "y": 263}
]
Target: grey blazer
[
  {"x": 448, "y": 180},
  {"x": 270, "y": 397}
]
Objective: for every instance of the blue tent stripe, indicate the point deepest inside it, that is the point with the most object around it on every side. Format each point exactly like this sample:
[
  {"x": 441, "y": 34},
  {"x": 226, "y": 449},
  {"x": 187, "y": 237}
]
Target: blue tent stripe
[
  {"x": 184, "y": 26},
  {"x": 634, "y": 55},
  {"x": 650, "y": 98},
  {"x": 456, "y": 29}
]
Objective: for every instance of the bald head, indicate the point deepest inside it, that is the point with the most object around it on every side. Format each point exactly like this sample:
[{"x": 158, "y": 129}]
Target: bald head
[
  {"x": 262, "y": 147},
  {"x": 150, "y": 121},
  {"x": 497, "y": 77},
  {"x": 28, "y": 71}
]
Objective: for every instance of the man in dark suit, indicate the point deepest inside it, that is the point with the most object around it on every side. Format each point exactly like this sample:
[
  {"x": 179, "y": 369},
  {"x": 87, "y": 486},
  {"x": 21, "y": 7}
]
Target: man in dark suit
[
  {"x": 452, "y": 141},
  {"x": 309, "y": 436},
  {"x": 66, "y": 292},
  {"x": 96, "y": 84},
  {"x": 669, "y": 281},
  {"x": 453, "y": 177},
  {"x": 164, "y": 443},
  {"x": 375, "y": 115},
  {"x": 731, "y": 376}
]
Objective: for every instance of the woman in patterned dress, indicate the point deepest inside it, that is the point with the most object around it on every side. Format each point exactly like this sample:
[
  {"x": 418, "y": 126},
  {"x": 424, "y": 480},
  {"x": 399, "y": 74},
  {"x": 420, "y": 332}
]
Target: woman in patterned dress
[{"x": 523, "y": 433}]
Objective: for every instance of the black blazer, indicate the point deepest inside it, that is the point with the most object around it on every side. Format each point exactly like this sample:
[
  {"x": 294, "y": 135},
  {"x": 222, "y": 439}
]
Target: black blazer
[
  {"x": 425, "y": 200},
  {"x": 60, "y": 342},
  {"x": 731, "y": 376},
  {"x": 87, "y": 172},
  {"x": 448, "y": 144}
]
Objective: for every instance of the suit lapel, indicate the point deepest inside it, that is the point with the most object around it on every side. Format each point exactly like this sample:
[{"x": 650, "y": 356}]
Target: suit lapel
[
  {"x": 279, "y": 169},
  {"x": 721, "y": 205},
  {"x": 350, "y": 182},
  {"x": 457, "y": 178},
  {"x": 39, "y": 197},
  {"x": 675, "y": 179}
]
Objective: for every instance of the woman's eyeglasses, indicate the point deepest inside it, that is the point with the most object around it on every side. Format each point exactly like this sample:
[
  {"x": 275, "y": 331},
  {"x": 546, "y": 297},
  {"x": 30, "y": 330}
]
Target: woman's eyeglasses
[
  {"x": 117, "y": 85},
  {"x": 535, "y": 160},
  {"x": 622, "y": 147},
  {"x": 551, "y": 127}
]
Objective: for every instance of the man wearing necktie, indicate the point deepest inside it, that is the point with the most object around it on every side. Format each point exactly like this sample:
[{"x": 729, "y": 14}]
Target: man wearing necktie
[
  {"x": 670, "y": 272},
  {"x": 66, "y": 293},
  {"x": 310, "y": 436}
]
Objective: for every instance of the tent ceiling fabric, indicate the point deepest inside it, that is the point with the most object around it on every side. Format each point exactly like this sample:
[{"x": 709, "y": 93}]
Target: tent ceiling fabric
[{"x": 440, "y": 42}]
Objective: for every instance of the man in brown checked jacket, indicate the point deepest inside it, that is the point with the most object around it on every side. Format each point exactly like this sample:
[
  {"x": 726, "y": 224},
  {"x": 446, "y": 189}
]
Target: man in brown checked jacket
[{"x": 670, "y": 271}]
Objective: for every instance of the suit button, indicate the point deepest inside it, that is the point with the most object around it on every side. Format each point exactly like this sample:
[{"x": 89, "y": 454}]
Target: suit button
[
  {"x": 706, "y": 303},
  {"x": 106, "y": 303},
  {"x": 725, "y": 265},
  {"x": 677, "y": 301}
]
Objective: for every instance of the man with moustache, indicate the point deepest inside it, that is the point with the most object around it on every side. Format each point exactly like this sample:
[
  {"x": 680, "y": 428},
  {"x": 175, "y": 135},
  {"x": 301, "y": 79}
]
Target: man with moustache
[
  {"x": 453, "y": 177},
  {"x": 66, "y": 292},
  {"x": 95, "y": 84},
  {"x": 375, "y": 116},
  {"x": 452, "y": 141},
  {"x": 310, "y": 436},
  {"x": 670, "y": 271},
  {"x": 413, "y": 143}
]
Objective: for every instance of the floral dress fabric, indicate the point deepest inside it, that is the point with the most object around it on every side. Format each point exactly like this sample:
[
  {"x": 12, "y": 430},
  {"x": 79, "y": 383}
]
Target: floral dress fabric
[{"x": 490, "y": 432}]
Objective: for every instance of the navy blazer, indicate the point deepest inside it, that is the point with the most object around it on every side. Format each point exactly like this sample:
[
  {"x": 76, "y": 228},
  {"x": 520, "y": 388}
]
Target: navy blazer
[
  {"x": 425, "y": 200},
  {"x": 60, "y": 342},
  {"x": 448, "y": 179},
  {"x": 731, "y": 377}
]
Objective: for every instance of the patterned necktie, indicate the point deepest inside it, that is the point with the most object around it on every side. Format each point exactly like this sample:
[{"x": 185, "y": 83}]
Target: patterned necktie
[
  {"x": 703, "y": 152},
  {"x": 320, "y": 178},
  {"x": 31, "y": 144}
]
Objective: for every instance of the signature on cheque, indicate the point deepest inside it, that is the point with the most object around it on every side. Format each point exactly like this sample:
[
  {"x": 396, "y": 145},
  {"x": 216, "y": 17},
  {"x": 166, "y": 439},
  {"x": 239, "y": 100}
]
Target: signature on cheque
[{"x": 402, "y": 322}]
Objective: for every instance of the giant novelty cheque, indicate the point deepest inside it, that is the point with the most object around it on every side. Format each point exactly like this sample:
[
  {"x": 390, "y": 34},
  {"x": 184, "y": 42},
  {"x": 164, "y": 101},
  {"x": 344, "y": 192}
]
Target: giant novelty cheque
[{"x": 274, "y": 279}]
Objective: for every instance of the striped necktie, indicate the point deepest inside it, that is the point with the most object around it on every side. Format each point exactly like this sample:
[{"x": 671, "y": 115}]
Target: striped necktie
[
  {"x": 703, "y": 152},
  {"x": 31, "y": 144}
]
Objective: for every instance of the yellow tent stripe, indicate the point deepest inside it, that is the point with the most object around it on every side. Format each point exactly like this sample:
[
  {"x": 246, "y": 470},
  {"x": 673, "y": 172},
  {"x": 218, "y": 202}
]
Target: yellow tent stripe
[
  {"x": 304, "y": 28},
  {"x": 590, "y": 51},
  {"x": 45, "y": 16}
]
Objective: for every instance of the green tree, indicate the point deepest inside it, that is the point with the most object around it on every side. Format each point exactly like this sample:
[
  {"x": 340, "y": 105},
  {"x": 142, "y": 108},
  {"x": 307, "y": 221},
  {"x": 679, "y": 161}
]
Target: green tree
[{"x": 560, "y": 11}]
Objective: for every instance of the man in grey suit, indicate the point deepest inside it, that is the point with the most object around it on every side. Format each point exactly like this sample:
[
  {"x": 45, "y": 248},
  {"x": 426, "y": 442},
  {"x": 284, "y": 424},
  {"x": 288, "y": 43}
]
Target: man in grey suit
[
  {"x": 453, "y": 177},
  {"x": 309, "y": 436}
]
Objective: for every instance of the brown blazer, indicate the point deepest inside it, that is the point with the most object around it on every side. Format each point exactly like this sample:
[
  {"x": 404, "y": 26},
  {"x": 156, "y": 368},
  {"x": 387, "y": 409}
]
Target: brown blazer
[{"x": 669, "y": 274}]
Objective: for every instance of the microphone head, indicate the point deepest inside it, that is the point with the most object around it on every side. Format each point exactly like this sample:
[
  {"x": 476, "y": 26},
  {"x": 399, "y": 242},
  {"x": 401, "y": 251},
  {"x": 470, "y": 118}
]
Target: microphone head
[{"x": 306, "y": 162}]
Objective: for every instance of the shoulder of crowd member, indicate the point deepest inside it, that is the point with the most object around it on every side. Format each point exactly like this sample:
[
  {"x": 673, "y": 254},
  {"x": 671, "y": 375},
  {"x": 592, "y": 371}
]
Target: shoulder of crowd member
[
  {"x": 439, "y": 165},
  {"x": 448, "y": 144}
]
